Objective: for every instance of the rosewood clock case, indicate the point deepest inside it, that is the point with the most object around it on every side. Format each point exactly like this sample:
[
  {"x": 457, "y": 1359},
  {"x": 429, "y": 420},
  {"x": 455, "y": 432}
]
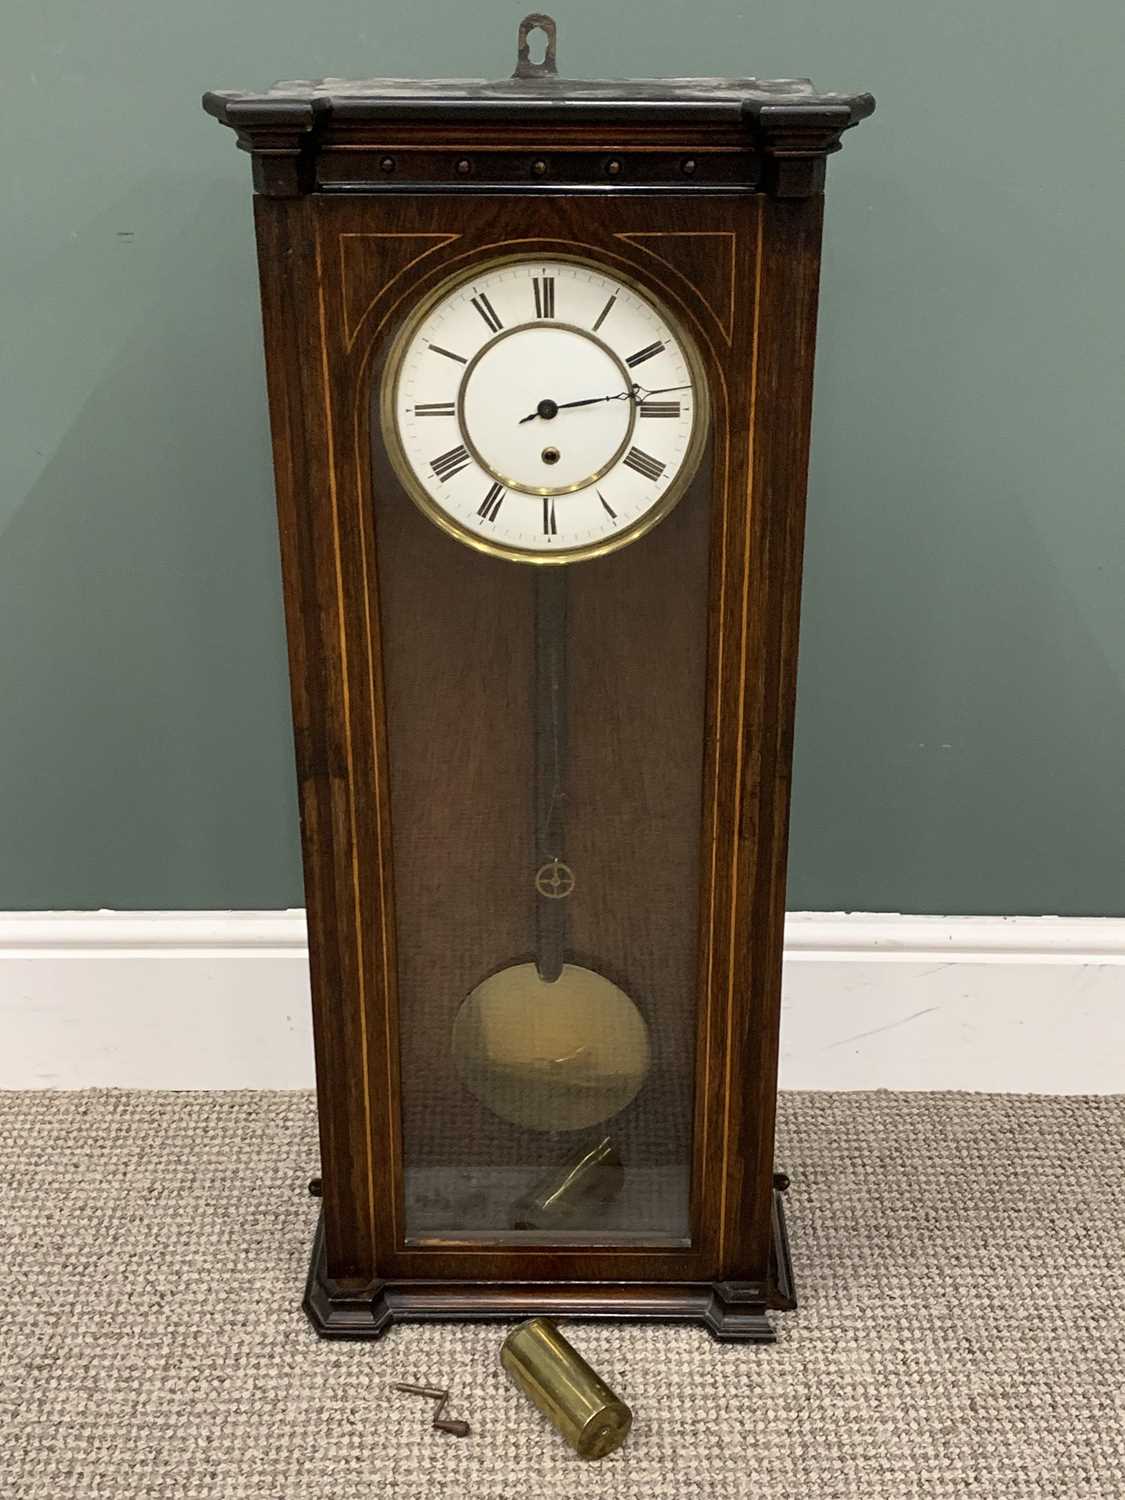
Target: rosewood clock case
[{"x": 413, "y": 662}]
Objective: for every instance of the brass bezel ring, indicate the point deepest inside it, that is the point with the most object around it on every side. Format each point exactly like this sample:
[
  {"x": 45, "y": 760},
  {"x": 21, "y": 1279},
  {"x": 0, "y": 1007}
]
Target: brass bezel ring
[
  {"x": 548, "y": 489},
  {"x": 430, "y": 508}
]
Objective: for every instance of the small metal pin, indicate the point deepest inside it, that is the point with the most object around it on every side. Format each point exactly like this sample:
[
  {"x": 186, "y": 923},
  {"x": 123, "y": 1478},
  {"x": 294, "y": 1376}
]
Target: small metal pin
[{"x": 455, "y": 1426}]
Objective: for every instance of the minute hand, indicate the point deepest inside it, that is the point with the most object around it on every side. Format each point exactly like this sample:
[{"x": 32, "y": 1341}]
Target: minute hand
[
  {"x": 635, "y": 393},
  {"x": 642, "y": 392},
  {"x": 566, "y": 405}
]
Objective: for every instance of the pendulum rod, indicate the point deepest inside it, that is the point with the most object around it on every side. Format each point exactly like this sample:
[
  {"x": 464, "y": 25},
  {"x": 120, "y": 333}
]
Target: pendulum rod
[{"x": 553, "y": 878}]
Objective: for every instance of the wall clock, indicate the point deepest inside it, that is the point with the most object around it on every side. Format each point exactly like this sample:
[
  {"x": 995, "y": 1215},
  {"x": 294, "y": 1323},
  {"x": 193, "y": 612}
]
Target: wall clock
[{"x": 539, "y": 356}]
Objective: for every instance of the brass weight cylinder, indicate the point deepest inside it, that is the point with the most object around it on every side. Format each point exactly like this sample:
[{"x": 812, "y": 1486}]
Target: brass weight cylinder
[{"x": 555, "y": 1377}]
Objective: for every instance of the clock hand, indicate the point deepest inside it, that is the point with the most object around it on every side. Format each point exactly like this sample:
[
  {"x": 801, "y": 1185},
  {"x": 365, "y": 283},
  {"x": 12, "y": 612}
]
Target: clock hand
[{"x": 548, "y": 409}]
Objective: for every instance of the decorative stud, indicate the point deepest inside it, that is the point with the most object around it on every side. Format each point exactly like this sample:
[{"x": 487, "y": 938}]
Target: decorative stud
[
  {"x": 464, "y": 166},
  {"x": 613, "y": 167},
  {"x": 387, "y": 164},
  {"x": 539, "y": 168},
  {"x": 688, "y": 167}
]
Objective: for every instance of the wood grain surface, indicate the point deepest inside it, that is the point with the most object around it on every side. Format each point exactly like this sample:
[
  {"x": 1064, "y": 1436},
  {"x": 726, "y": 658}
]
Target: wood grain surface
[{"x": 412, "y": 683}]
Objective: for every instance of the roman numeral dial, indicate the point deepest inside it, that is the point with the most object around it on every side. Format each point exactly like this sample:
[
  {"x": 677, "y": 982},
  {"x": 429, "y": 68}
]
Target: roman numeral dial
[
  {"x": 490, "y": 505},
  {"x": 488, "y": 312},
  {"x": 544, "y": 289},
  {"x": 543, "y": 410},
  {"x": 446, "y": 465},
  {"x": 650, "y": 351},
  {"x": 644, "y": 464}
]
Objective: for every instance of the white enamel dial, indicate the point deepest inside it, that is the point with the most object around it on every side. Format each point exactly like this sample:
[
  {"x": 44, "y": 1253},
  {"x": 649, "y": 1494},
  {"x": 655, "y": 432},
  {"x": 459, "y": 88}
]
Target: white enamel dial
[{"x": 545, "y": 410}]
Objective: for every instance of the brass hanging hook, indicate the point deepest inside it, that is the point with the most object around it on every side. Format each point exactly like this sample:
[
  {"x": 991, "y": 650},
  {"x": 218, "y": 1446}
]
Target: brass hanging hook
[{"x": 525, "y": 68}]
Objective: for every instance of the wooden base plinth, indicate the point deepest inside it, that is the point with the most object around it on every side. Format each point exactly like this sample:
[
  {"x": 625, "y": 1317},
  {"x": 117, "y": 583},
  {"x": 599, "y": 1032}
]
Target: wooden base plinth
[{"x": 731, "y": 1310}]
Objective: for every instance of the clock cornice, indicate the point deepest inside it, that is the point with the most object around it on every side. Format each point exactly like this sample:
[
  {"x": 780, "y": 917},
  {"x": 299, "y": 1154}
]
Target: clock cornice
[{"x": 540, "y": 133}]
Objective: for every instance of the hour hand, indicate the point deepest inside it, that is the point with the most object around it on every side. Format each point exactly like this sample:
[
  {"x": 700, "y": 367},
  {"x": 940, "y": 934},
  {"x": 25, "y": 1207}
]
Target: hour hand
[{"x": 546, "y": 409}]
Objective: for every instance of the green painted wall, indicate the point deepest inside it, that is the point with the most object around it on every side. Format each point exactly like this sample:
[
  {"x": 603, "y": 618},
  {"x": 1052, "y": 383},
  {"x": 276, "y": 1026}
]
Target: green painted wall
[{"x": 962, "y": 717}]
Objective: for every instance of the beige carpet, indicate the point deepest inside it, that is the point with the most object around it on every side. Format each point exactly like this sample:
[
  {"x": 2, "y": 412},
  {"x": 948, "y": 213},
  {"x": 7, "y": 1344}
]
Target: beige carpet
[{"x": 960, "y": 1259}]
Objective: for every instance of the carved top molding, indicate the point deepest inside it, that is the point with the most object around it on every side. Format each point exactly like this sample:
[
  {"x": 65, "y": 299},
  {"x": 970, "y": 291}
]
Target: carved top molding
[
  {"x": 759, "y": 106},
  {"x": 785, "y": 122}
]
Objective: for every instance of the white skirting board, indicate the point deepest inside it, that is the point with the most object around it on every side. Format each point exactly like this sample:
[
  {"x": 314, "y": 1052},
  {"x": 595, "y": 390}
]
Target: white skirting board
[{"x": 219, "y": 1000}]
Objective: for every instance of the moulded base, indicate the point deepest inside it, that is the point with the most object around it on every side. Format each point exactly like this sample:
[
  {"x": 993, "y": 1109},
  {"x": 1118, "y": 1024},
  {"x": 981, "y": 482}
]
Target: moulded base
[{"x": 734, "y": 1310}]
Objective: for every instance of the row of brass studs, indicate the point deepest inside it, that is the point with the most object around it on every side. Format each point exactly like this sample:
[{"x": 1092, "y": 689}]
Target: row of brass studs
[{"x": 539, "y": 167}]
